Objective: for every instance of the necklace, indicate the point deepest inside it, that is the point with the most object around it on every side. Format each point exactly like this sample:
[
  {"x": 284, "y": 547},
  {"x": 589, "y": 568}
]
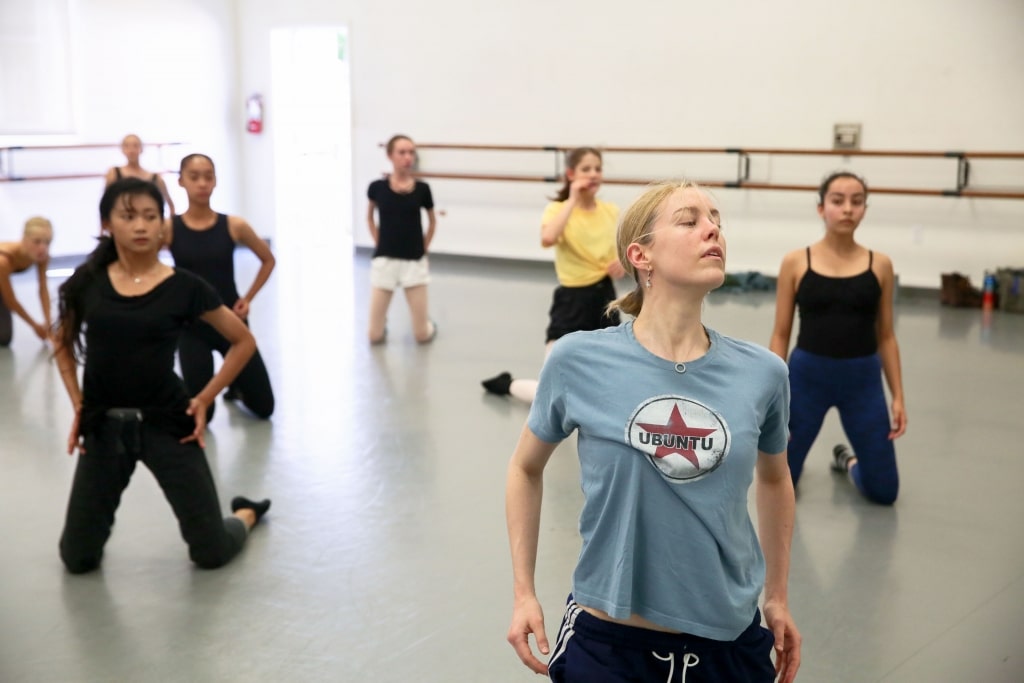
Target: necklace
[
  {"x": 680, "y": 366},
  {"x": 137, "y": 279}
]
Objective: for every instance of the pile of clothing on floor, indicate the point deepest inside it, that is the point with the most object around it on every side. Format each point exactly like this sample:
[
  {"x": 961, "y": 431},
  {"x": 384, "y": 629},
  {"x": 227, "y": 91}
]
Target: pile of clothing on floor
[{"x": 750, "y": 281}]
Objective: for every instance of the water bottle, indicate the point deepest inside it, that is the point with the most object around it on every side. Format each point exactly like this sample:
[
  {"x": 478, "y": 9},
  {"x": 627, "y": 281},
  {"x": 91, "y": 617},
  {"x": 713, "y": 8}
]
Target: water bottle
[{"x": 988, "y": 293}]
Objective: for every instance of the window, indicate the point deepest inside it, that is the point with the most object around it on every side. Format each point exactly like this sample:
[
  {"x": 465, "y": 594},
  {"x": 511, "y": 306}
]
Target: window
[{"x": 35, "y": 68}]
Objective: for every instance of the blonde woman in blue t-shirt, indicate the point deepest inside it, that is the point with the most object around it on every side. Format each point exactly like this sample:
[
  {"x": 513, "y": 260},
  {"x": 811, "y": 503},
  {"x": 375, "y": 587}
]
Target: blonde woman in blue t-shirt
[
  {"x": 581, "y": 228},
  {"x": 674, "y": 423}
]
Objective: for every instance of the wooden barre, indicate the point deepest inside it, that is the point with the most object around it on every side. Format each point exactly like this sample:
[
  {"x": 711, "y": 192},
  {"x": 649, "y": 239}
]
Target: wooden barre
[
  {"x": 953, "y": 154},
  {"x": 95, "y": 145},
  {"x": 68, "y": 176},
  {"x": 980, "y": 194},
  {"x": 7, "y": 156}
]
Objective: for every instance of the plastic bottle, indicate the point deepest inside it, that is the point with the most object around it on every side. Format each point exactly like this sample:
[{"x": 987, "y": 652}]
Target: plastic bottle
[{"x": 988, "y": 293}]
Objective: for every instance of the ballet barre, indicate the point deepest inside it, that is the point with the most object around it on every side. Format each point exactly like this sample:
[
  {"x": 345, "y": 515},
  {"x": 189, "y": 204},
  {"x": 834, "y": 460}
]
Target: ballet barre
[
  {"x": 743, "y": 156},
  {"x": 7, "y": 155}
]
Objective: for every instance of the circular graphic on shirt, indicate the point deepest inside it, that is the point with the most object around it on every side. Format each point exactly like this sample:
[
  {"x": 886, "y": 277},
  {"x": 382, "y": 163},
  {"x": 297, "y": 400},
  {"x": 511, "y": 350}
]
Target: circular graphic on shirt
[{"x": 685, "y": 440}]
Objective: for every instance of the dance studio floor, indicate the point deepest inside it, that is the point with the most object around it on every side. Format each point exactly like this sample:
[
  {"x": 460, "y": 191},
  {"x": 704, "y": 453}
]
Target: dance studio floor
[{"x": 384, "y": 557}]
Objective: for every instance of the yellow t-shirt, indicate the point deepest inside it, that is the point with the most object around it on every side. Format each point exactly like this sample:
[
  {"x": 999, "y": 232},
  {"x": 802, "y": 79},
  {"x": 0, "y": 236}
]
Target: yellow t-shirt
[{"x": 587, "y": 245}]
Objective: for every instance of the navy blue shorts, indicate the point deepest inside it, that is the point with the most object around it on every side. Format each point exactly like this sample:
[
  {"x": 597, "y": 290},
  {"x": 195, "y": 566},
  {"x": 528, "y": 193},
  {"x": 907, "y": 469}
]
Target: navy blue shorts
[{"x": 591, "y": 650}]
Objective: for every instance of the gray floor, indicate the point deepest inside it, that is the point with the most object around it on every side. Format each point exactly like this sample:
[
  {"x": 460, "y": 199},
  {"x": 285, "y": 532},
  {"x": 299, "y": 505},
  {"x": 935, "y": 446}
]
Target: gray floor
[{"x": 384, "y": 557}]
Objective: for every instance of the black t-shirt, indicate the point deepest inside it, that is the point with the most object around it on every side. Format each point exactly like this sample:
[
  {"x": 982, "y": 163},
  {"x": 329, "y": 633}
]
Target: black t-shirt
[
  {"x": 129, "y": 348},
  {"x": 400, "y": 220},
  {"x": 209, "y": 253}
]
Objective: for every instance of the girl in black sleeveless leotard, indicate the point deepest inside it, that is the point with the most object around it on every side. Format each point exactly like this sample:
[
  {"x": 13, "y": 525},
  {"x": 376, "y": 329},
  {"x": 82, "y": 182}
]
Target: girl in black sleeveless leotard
[
  {"x": 203, "y": 242},
  {"x": 844, "y": 294},
  {"x": 131, "y": 147}
]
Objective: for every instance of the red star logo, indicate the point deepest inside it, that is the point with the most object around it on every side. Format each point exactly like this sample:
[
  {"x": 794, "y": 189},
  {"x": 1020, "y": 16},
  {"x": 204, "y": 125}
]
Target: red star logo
[{"x": 677, "y": 427}]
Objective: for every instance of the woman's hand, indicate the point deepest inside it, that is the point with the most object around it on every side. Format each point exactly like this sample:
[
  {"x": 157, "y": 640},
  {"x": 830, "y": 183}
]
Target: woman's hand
[
  {"x": 41, "y": 330},
  {"x": 577, "y": 186},
  {"x": 197, "y": 409},
  {"x": 787, "y": 641},
  {"x": 899, "y": 419},
  {"x": 74, "y": 438},
  {"x": 527, "y": 618},
  {"x": 241, "y": 308}
]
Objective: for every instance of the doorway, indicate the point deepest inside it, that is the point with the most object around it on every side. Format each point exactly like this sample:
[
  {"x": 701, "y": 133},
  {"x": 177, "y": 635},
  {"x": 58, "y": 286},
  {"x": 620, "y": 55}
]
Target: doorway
[
  {"x": 311, "y": 110},
  {"x": 310, "y": 107}
]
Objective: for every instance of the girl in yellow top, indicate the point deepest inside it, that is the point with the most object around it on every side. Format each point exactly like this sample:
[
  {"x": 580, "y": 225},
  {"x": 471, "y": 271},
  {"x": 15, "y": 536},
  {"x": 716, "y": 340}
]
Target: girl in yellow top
[
  {"x": 581, "y": 228},
  {"x": 15, "y": 257}
]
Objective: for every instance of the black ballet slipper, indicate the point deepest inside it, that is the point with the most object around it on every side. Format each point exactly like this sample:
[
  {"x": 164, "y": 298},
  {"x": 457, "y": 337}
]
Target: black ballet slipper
[
  {"x": 841, "y": 457},
  {"x": 258, "y": 507},
  {"x": 499, "y": 385}
]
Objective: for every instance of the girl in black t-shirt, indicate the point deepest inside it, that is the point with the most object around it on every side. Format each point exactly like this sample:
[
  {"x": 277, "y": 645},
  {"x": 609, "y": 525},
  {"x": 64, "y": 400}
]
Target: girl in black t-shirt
[
  {"x": 121, "y": 313},
  {"x": 400, "y": 256}
]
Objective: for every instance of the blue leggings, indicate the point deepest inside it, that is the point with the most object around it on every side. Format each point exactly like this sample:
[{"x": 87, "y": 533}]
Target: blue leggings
[{"x": 854, "y": 387}]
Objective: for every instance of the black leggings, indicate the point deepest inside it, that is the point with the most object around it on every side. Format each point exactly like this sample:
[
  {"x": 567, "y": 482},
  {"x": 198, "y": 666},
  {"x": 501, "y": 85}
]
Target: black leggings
[
  {"x": 6, "y": 325},
  {"x": 103, "y": 472},
  {"x": 195, "y": 352}
]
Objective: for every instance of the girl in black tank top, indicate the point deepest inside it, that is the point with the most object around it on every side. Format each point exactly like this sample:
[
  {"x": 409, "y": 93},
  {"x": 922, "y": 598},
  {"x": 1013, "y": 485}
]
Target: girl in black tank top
[
  {"x": 838, "y": 314},
  {"x": 847, "y": 341},
  {"x": 203, "y": 242},
  {"x": 131, "y": 147}
]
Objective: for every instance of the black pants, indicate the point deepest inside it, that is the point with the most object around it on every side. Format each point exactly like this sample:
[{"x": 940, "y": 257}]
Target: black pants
[
  {"x": 195, "y": 352},
  {"x": 103, "y": 472},
  {"x": 6, "y": 325}
]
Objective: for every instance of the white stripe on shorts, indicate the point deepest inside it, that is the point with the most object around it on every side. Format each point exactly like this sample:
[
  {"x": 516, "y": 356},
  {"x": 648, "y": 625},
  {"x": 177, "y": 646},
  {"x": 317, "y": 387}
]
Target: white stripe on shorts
[{"x": 566, "y": 631}]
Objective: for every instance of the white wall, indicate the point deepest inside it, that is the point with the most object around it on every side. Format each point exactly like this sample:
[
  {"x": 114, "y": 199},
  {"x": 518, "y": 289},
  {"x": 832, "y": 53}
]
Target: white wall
[
  {"x": 918, "y": 74},
  {"x": 165, "y": 71}
]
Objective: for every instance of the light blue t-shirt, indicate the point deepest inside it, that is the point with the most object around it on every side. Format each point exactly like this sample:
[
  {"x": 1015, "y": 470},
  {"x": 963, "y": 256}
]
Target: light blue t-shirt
[{"x": 667, "y": 455}]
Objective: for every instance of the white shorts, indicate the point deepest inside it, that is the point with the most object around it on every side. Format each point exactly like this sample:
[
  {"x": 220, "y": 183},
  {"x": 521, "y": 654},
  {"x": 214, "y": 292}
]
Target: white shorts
[{"x": 392, "y": 273}]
